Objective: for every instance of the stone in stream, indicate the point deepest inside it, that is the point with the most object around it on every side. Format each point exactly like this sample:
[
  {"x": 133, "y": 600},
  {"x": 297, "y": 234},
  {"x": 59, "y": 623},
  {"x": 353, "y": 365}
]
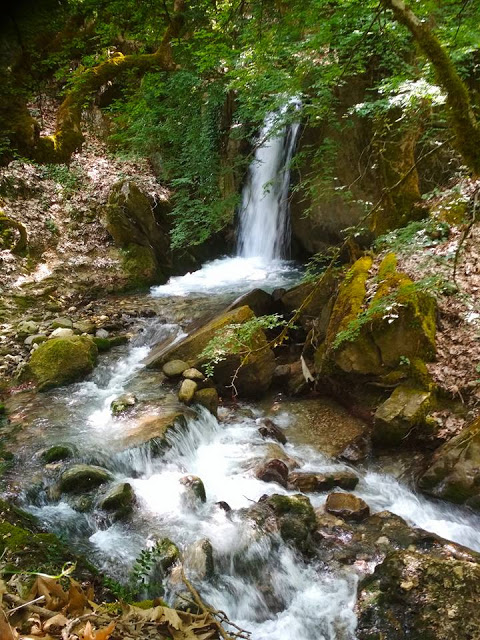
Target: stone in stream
[
  {"x": 208, "y": 398},
  {"x": 119, "y": 499},
  {"x": 102, "y": 333},
  {"x": 36, "y": 338},
  {"x": 347, "y": 506},
  {"x": 84, "y": 326},
  {"x": 26, "y": 328},
  {"x": 174, "y": 368},
  {"x": 194, "y": 489},
  {"x": 314, "y": 482},
  {"x": 270, "y": 430},
  {"x": 454, "y": 473},
  {"x": 417, "y": 596},
  {"x": 273, "y": 471},
  {"x": 56, "y": 453},
  {"x": 198, "y": 559},
  {"x": 83, "y": 477},
  {"x": 123, "y": 403},
  {"x": 62, "y": 360},
  {"x": 166, "y": 555},
  {"x": 61, "y": 332},
  {"x": 61, "y": 323},
  {"x": 192, "y": 374},
  {"x": 274, "y": 450},
  {"x": 187, "y": 391}
]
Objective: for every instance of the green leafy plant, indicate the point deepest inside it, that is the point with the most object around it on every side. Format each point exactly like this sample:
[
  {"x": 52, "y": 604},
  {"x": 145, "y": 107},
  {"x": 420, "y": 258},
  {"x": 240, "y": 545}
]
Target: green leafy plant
[
  {"x": 237, "y": 339},
  {"x": 414, "y": 236}
]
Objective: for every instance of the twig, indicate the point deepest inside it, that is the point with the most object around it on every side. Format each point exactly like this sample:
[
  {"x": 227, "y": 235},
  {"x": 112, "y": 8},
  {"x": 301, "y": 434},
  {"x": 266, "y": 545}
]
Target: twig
[
  {"x": 26, "y": 604},
  {"x": 45, "y": 613}
]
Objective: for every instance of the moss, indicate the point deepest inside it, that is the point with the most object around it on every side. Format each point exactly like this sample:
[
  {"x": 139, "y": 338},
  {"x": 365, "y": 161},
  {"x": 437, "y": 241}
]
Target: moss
[
  {"x": 62, "y": 360},
  {"x": 140, "y": 265},
  {"x": 56, "y": 453}
]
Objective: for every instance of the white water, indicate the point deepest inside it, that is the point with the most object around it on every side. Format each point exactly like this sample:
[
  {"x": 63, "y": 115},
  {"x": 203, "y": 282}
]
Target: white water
[{"x": 264, "y": 226}]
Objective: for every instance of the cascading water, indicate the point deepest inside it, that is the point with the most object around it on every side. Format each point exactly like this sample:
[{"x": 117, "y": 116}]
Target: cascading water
[
  {"x": 264, "y": 225},
  {"x": 264, "y": 229}
]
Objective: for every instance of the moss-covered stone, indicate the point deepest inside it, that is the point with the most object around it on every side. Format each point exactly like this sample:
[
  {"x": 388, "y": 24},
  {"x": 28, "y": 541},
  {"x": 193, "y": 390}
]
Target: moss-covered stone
[
  {"x": 415, "y": 596},
  {"x": 207, "y": 398},
  {"x": 140, "y": 265},
  {"x": 61, "y": 361},
  {"x": 406, "y": 408},
  {"x": 454, "y": 474},
  {"x": 119, "y": 500},
  {"x": 56, "y": 453},
  {"x": 83, "y": 477}
]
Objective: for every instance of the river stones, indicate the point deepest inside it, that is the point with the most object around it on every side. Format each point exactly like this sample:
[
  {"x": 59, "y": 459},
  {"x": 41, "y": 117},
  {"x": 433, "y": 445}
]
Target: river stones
[
  {"x": 36, "y": 338},
  {"x": 61, "y": 361},
  {"x": 120, "y": 500},
  {"x": 316, "y": 482},
  {"x": 153, "y": 428},
  {"x": 270, "y": 430},
  {"x": 207, "y": 398},
  {"x": 194, "y": 489},
  {"x": 123, "y": 403},
  {"x": 61, "y": 323},
  {"x": 174, "y": 368},
  {"x": 61, "y": 332},
  {"x": 198, "y": 559},
  {"x": 415, "y": 596},
  {"x": 84, "y": 326},
  {"x": 406, "y": 408},
  {"x": 187, "y": 391},
  {"x": 83, "y": 477},
  {"x": 26, "y": 328},
  {"x": 56, "y": 453},
  {"x": 193, "y": 374},
  {"x": 347, "y": 506},
  {"x": 273, "y": 471}
]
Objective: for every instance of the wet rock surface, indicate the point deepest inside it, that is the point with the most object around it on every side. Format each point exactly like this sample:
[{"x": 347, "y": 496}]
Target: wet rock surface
[
  {"x": 83, "y": 477},
  {"x": 347, "y": 506}
]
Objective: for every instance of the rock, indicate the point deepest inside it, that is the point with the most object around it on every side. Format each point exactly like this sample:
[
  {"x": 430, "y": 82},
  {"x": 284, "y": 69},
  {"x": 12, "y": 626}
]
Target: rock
[
  {"x": 61, "y": 332},
  {"x": 454, "y": 473},
  {"x": 118, "y": 340},
  {"x": 102, "y": 344},
  {"x": 255, "y": 375},
  {"x": 192, "y": 374},
  {"x": 131, "y": 222},
  {"x": 101, "y": 333},
  {"x": 174, "y": 368},
  {"x": 56, "y": 453},
  {"x": 26, "y": 328},
  {"x": 347, "y": 506},
  {"x": 187, "y": 391},
  {"x": 208, "y": 398},
  {"x": 166, "y": 554},
  {"x": 84, "y": 326},
  {"x": 294, "y": 297},
  {"x": 259, "y": 301},
  {"x": 61, "y": 361},
  {"x": 270, "y": 430},
  {"x": 36, "y": 338},
  {"x": 119, "y": 499},
  {"x": 83, "y": 477},
  {"x": 415, "y": 596},
  {"x": 61, "y": 323},
  {"x": 123, "y": 403},
  {"x": 292, "y": 516},
  {"x": 273, "y": 471},
  {"x": 274, "y": 450},
  {"x": 281, "y": 375},
  {"x": 316, "y": 482},
  {"x": 405, "y": 409},
  {"x": 363, "y": 337},
  {"x": 194, "y": 488},
  {"x": 224, "y": 506},
  {"x": 198, "y": 559},
  {"x": 154, "y": 428}
]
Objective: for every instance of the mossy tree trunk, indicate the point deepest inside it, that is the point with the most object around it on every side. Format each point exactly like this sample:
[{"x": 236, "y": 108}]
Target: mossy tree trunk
[
  {"x": 68, "y": 136},
  {"x": 462, "y": 119}
]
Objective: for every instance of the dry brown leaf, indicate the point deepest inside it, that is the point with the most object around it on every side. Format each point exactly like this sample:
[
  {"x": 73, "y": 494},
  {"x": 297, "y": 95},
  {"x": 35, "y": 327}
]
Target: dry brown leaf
[
  {"x": 6, "y": 631},
  {"x": 55, "y": 596},
  {"x": 101, "y": 634},
  {"x": 77, "y": 601},
  {"x": 57, "y": 621}
]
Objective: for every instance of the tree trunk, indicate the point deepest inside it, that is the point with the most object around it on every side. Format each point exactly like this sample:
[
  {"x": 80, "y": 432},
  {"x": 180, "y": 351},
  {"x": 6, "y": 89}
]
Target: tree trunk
[
  {"x": 462, "y": 119},
  {"x": 68, "y": 136}
]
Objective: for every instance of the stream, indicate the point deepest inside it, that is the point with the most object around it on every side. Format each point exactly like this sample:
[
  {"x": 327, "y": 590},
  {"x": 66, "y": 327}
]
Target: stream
[
  {"x": 260, "y": 582},
  {"x": 310, "y": 601}
]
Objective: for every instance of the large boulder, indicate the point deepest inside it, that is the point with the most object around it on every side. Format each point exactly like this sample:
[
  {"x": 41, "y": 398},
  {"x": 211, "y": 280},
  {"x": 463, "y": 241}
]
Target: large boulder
[
  {"x": 61, "y": 361},
  {"x": 347, "y": 506},
  {"x": 153, "y": 428},
  {"x": 119, "y": 501},
  {"x": 253, "y": 377},
  {"x": 455, "y": 470},
  {"x": 374, "y": 335},
  {"x": 131, "y": 222},
  {"x": 404, "y": 410},
  {"x": 259, "y": 301},
  {"x": 83, "y": 477},
  {"x": 415, "y": 596}
]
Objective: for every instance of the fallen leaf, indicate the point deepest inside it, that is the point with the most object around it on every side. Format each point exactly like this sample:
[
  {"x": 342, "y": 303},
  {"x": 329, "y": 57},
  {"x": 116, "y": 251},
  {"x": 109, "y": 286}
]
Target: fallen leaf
[{"x": 57, "y": 621}]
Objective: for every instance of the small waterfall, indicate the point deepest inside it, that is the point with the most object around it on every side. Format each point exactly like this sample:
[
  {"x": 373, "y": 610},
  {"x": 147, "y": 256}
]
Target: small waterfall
[{"x": 264, "y": 224}]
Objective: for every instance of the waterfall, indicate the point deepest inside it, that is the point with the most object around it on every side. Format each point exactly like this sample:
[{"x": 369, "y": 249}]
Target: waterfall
[{"x": 264, "y": 229}]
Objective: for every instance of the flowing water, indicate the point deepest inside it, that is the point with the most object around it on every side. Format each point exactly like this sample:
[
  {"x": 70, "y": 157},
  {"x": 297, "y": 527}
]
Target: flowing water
[{"x": 260, "y": 583}]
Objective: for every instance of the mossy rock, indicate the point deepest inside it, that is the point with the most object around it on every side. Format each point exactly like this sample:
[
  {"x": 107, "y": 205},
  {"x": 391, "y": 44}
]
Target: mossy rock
[
  {"x": 207, "y": 398},
  {"x": 119, "y": 500},
  {"x": 405, "y": 409},
  {"x": 56, "y": 453},
  {"x": 416, "y": 596},
  {"x": 454, "y": 474},
  {"x": 140, "y": 265},
  {"x": 83, "y": 477},
  {"x": 373, "y": 337},
  {"x": 24, "y": 547},
  {"x": 61, "y": 361}
]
